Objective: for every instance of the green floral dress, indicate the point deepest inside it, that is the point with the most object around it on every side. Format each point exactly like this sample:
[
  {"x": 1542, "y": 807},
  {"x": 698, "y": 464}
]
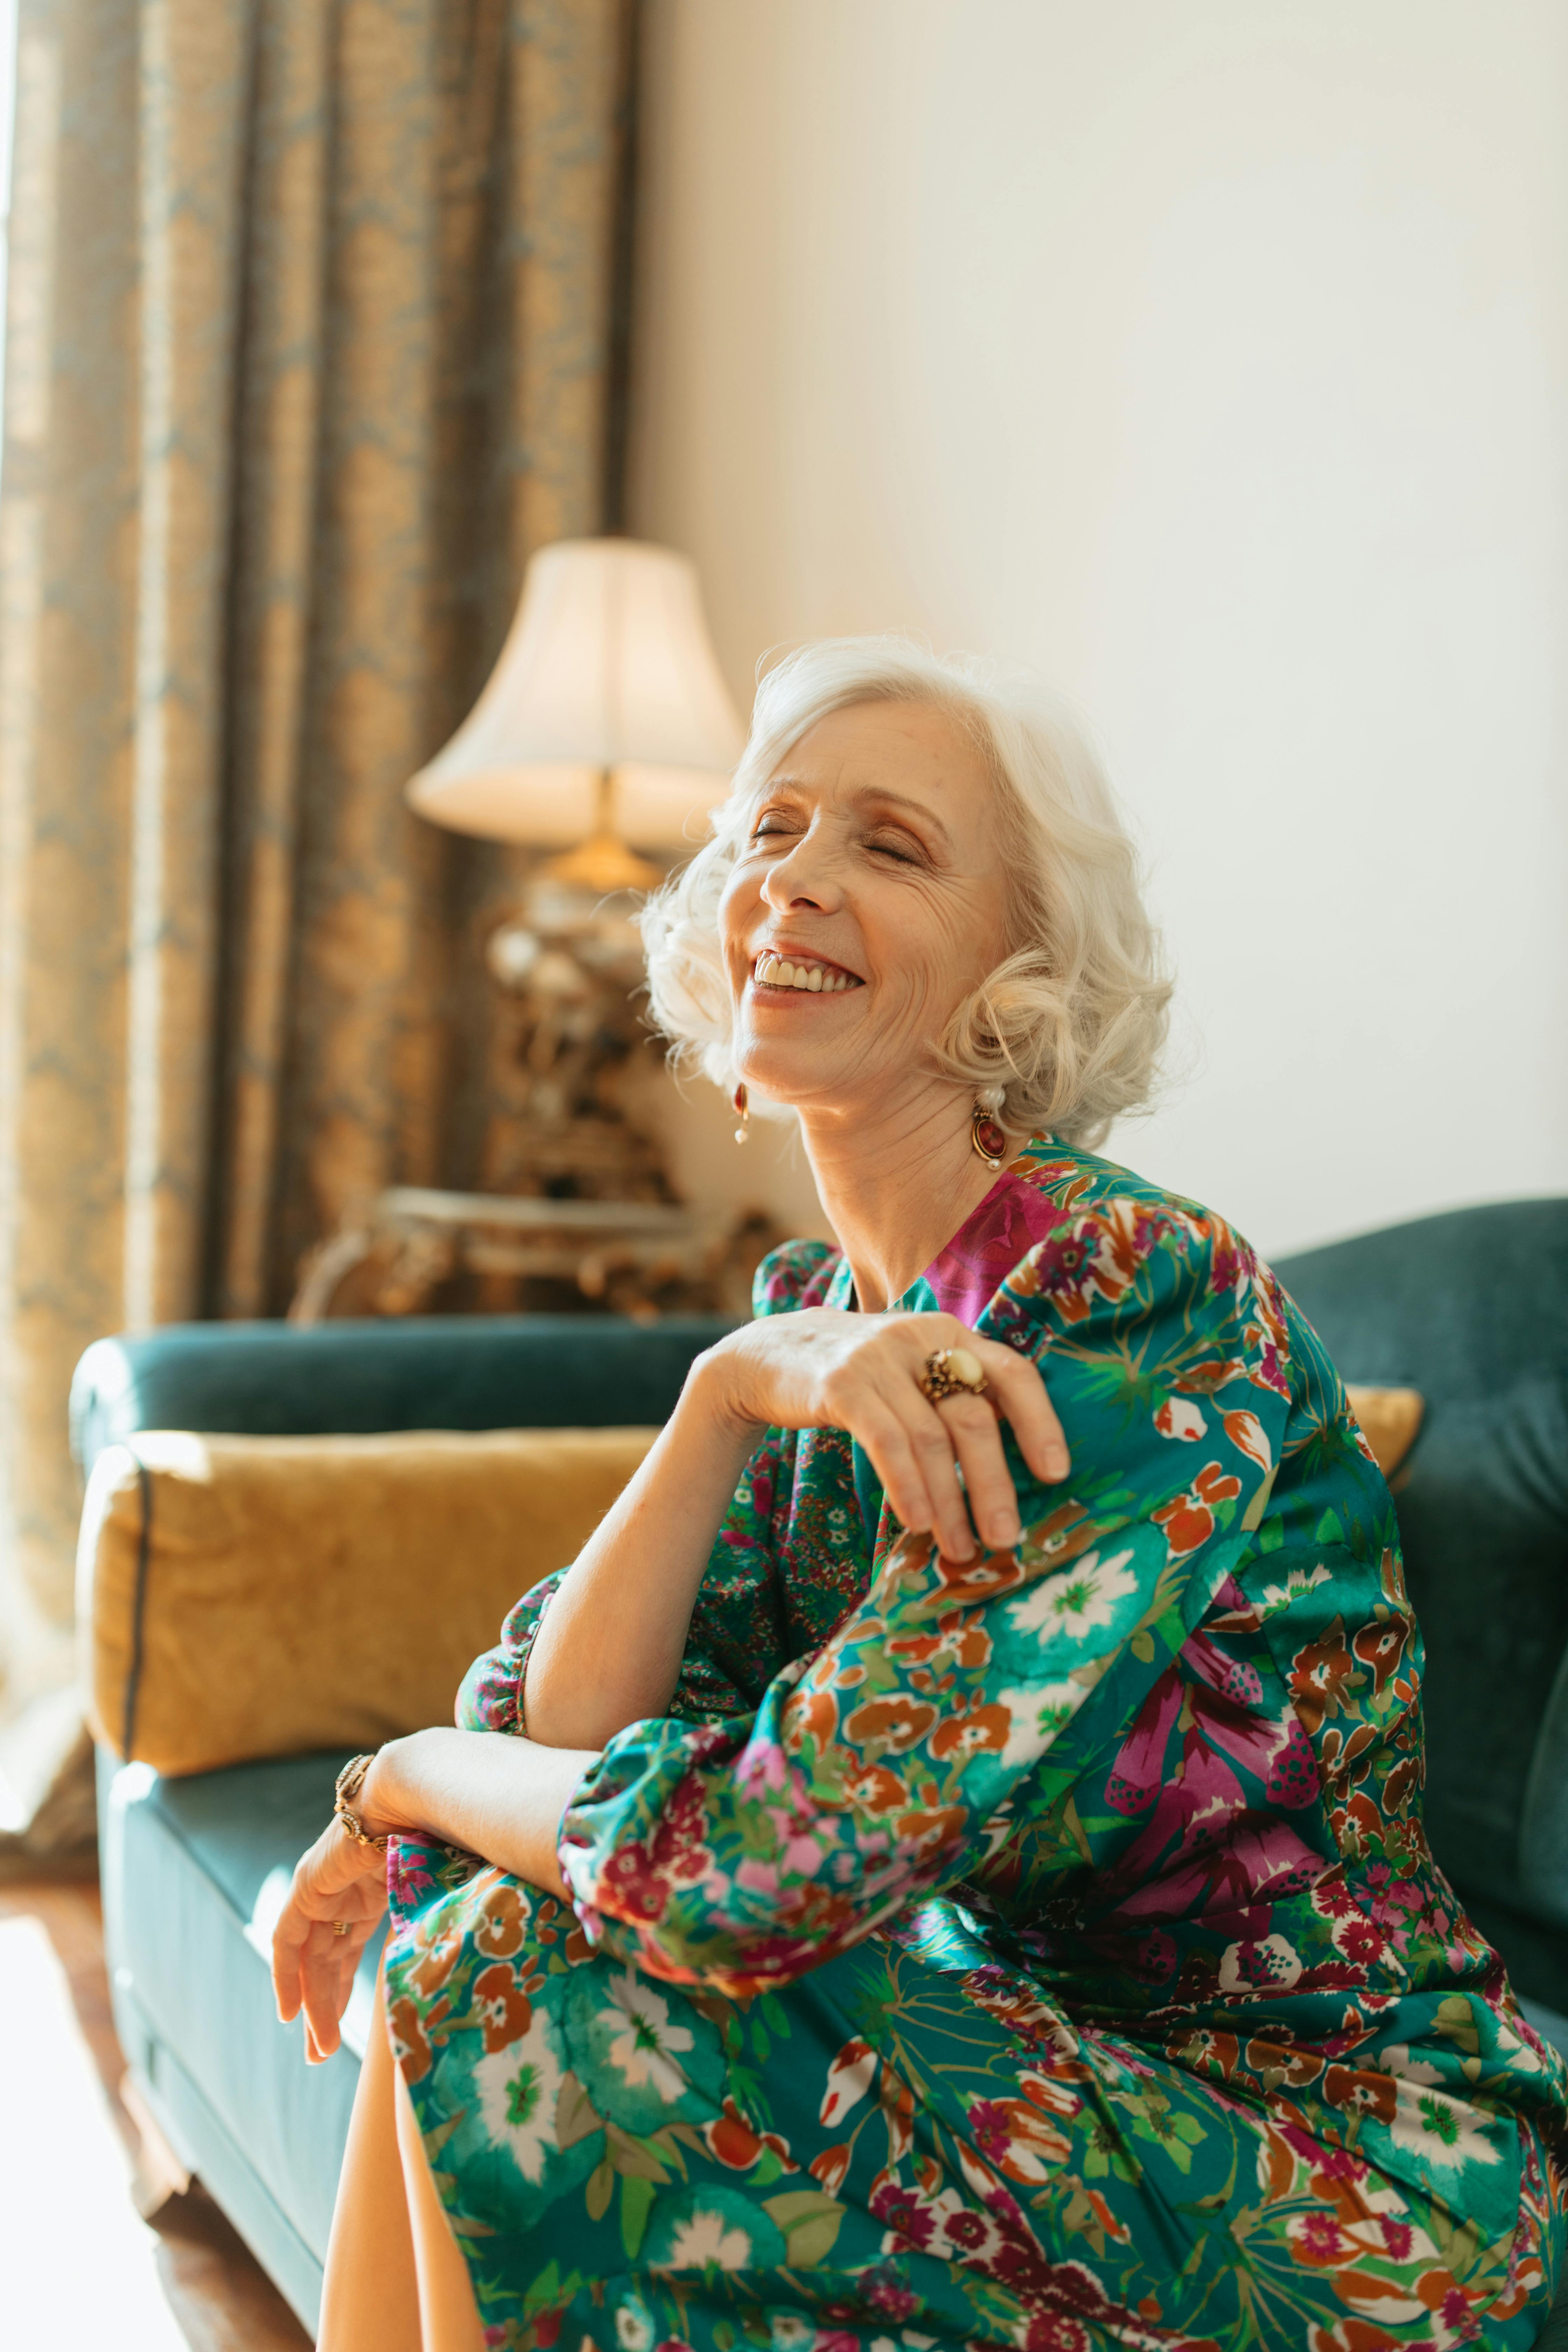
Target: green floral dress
[{"x": 1041, "y": 1950}]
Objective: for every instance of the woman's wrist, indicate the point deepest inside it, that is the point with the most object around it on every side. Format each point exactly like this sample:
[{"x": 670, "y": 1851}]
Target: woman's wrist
[
  {"x": 714, "y": 1390},
  {"x": 379, "y": 1810}
]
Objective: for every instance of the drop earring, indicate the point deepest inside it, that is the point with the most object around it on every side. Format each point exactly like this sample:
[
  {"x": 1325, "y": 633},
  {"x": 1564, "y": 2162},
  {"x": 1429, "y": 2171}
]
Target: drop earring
[
  {"x": 986, "y": 1133},
  {"x": 743, "y": 1112}
]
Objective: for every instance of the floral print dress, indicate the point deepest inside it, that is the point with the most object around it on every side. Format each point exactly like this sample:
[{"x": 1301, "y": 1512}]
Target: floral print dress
[{"x": 1038, "y": 1951}]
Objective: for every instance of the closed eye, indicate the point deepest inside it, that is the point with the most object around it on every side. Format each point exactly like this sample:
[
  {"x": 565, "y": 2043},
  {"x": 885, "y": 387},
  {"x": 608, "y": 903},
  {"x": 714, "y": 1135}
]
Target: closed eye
[{"x": 774, "y": 824}]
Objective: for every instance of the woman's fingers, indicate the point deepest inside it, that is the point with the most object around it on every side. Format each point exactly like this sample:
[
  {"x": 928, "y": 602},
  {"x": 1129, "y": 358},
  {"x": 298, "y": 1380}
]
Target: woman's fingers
[
  {"x": 328, "y": 1978},
  {"x": 933, "y": 1441},
  {"x": 918, "y": 1449},
  {"x": 973, "y": 1430},
  {"x": 1017, "y": 1387},
  {"x": 962, "y": 1432},
  {"x": 286, "y": 1984},
  {"x": 912, "y": 1452},
  {"x": 881, "y": 1431},
  {"x": 321, "y": 1989},
  {"x": 290, "y": 1938},
  {"x": 1023, "y": 1397},
  {"x": 323, "y": 2008}
]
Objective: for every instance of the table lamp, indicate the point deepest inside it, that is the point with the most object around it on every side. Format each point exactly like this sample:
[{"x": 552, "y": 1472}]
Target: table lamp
[{"x": 604, "y": 722}]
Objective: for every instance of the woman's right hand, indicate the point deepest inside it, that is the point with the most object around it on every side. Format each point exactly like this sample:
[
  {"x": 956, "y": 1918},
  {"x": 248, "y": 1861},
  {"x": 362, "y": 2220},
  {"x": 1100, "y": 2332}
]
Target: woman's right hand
[
  {"x": 337, "y": 1879},
  {"x": 823, "y": 1368}
]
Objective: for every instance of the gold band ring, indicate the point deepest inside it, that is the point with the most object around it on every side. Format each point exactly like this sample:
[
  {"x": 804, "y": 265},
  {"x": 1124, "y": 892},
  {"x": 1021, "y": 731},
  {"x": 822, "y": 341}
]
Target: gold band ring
[
  {"x": 339, "y": 1926},
  {"x": 953, "y": 1372}
]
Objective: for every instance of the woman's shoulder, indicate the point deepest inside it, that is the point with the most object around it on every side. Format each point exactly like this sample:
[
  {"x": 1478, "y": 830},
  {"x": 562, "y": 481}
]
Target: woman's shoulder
[
  {"x": 1073, "y": 1186},
  {"x": 1165, "y": 1310},
  {"x": 1102, "y": 1238},
  {"x": 1073, "y": 1178},
  {"x": 797, "y": 1274}
]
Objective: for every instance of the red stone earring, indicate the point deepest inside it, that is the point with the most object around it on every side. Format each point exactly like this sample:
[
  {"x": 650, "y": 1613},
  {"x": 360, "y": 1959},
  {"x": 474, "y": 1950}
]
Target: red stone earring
[
  {"x": 743, "y": 1112},
  {"x": 986, "y": 1132}
]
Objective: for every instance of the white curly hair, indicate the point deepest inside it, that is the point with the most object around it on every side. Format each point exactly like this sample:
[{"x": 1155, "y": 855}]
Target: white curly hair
[{"x": 1064, "y": 1035}]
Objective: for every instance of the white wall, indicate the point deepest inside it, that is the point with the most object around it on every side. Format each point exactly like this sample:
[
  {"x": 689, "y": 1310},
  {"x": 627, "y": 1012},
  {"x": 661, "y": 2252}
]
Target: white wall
[{"x": 1215, "y": 359}]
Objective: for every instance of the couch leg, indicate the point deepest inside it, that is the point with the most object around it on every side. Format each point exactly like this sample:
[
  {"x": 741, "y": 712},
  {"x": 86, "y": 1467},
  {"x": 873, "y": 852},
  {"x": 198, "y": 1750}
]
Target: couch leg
[{"x": 159, "y": 2174}]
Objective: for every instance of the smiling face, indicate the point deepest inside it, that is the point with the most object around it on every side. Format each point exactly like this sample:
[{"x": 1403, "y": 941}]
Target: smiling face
[{"x": 869, "y": 899}]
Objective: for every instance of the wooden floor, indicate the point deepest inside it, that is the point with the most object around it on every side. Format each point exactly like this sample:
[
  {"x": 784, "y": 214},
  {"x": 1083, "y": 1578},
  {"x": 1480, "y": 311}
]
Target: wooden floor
[{"x": 78, "y": 2268}]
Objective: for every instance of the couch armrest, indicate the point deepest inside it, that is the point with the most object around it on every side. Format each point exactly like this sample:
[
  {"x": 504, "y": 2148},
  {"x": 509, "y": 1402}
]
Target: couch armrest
[
  {"x": 243, "y": 1597},
  {"x": 428, "y": 1371}
]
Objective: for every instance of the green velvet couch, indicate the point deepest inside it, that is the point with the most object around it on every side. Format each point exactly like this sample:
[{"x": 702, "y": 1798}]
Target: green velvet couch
[
  {"x": 1470, "y": 1308},
  {"x": 192, "y": 1866}
]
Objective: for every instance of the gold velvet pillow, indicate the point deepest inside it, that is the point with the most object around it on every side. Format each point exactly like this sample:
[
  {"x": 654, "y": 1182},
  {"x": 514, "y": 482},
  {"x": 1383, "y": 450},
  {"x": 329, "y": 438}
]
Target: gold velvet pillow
[
  {"x": 244, "y": 1596},
  {"x": 1389, "y": 1419},
  {"x": 256, "y": 1596}
]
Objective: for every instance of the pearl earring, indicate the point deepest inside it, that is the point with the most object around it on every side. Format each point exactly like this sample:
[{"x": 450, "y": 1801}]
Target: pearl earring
[{"x": 743, "y": 1112}]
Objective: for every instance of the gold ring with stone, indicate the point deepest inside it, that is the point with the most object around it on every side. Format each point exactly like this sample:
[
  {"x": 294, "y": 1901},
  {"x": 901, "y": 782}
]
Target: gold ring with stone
[{"x": 953, "y": 1372}]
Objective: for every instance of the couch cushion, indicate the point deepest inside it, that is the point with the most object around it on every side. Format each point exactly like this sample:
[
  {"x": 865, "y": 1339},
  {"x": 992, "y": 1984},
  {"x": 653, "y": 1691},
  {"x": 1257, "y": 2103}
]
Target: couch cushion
[
  {"x": 1544, "y": 1832},
  {"x": 261, "y": 1596},
  {"x": 1389, "y": 1421},
  {"x": 1458, "y": 1304},
  {"x": 1472, "y": 1309},
  {"x": 1484, "y": 1523},
  {"x": 194, "y": 1873}
]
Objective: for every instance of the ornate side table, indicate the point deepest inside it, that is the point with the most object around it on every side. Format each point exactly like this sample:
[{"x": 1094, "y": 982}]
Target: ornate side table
[{"x": 642, "y": 1258}]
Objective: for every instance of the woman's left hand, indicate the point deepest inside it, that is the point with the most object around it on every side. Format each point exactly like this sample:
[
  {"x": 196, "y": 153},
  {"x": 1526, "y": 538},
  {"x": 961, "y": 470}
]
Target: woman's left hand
[{"x": 337, "y": 1879}]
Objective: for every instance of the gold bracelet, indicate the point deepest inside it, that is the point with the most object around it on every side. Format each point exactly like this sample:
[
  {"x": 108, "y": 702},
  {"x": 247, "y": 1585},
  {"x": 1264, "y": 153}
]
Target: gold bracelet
[{"x": 351, "y": 1781}]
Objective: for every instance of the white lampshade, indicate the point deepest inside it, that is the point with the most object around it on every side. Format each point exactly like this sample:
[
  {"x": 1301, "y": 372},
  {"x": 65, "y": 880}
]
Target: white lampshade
[{"x": 607, "y": 672}]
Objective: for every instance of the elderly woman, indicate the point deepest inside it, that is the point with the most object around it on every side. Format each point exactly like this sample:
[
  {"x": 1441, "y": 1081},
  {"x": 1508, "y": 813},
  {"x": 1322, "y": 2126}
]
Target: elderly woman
[{"x": 944, "y": 1867}]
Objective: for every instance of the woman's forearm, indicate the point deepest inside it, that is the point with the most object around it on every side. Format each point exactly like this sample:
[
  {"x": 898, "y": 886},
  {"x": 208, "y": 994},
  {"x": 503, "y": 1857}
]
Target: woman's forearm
[
  {"x": 492, "y": 1794},
  {"x": 608, "y": 1649}
]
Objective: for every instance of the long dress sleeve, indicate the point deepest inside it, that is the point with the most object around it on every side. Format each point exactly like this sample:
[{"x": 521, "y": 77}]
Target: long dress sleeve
[{"x": 887, "y": 1765}]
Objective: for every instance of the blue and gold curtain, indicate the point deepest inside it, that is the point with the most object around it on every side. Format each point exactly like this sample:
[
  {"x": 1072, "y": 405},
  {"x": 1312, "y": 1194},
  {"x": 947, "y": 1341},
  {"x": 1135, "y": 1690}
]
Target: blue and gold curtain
[{"x": 310, "y": 314}]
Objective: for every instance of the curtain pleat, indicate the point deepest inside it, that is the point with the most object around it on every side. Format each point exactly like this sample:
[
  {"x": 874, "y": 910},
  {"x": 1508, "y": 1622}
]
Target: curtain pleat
[
  {"x": 192, "y": 107},
  {"x": 307, "y": 317},
  {"x": 272, "y": 601},
  {"x": 68, "y": 544}
]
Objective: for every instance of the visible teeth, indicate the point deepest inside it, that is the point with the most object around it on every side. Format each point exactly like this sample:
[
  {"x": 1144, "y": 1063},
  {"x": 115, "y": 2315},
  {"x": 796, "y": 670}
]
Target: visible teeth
[{"x": 777, "y": 971}]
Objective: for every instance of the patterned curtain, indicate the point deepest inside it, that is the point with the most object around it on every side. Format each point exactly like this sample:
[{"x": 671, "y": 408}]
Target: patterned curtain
[{"x": 311, "y": 310}]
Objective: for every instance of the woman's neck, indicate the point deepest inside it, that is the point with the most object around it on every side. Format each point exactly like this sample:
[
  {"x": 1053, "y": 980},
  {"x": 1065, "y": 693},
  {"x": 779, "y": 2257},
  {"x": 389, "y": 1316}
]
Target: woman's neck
[{"x": 896, "y": 1185}]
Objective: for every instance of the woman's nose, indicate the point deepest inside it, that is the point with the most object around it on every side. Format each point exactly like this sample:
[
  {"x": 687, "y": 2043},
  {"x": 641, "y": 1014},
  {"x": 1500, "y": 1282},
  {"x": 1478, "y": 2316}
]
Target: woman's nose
[{"x": 806, "y": 877}]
